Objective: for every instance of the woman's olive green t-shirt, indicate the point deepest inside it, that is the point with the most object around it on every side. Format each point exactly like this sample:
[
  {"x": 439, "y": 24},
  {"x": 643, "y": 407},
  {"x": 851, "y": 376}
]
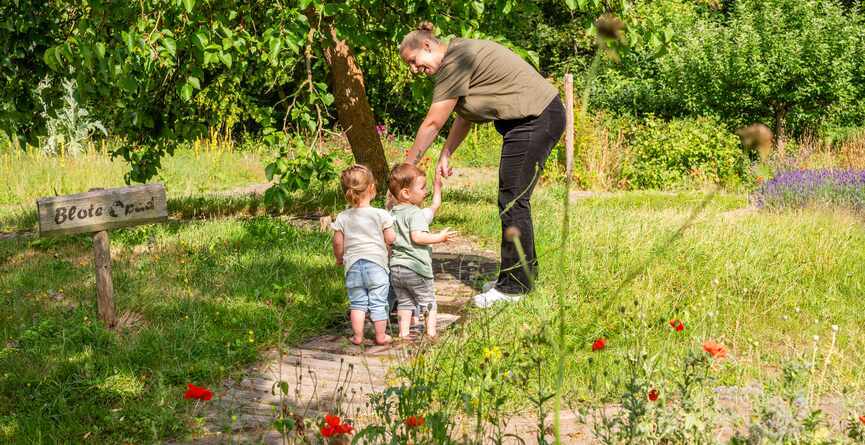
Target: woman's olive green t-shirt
[{"x": 491, "y": 82}]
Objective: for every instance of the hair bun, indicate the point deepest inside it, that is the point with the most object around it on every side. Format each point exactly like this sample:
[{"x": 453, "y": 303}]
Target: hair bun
[{"x": 426, "y": 26}]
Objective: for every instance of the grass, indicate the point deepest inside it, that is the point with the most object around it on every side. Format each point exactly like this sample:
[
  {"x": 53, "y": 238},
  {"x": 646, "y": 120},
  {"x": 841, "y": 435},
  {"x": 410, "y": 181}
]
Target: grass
[
  {"x": 191, "y": 171},
  {"x": 205, "y": 298},
  {"x": 764, "y": 284}
]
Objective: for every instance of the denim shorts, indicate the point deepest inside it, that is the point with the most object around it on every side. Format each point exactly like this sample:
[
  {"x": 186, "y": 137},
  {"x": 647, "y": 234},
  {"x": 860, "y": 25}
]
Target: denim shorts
[{"x": 368, "y": 285}]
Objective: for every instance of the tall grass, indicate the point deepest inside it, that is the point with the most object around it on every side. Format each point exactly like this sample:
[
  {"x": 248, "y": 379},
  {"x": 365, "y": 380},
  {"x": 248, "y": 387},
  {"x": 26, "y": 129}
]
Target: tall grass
[
  {"x": 764, "y": 283},
  {"x": 26, "y": 176}
]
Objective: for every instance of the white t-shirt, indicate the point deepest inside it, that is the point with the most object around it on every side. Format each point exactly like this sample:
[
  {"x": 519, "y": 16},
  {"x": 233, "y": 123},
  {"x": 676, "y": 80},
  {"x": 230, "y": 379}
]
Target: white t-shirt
[{"x": 362, "y": 229}]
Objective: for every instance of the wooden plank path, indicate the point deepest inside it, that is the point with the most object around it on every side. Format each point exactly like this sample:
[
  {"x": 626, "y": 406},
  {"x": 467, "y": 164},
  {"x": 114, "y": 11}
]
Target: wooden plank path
[{"x": 327, "y": 373}]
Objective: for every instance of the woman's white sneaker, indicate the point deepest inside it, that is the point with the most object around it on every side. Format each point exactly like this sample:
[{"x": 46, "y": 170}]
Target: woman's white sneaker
[
  {"x": 489, "y": 285},
  {"x": 493, "y": 296}
]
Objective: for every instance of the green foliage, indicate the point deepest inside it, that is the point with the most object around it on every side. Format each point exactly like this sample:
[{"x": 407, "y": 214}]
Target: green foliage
[
  {"x": 667, "y": 155},
  {"x": 788, "y": 62},
  {"x": 159, "y": 71},
  {"x": 300, "y": 172}
]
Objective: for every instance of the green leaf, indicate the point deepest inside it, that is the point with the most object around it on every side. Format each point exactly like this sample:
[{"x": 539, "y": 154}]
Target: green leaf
[
  {"x": 100, "y": 50},
  {"x": 192, "y": 80},
  {"x": 269, "y": 171},
  {"x": 170, "y": 46},
  {"x": 571, "y": 4},
  {"x": 668, "y": 34},
  {"x": 129, "y": 84},
  {"x": 128, "y": 39},
  {"x": 478, "y": 6},
  {"x": 188, "y": 5},
  {"x": 202, "y": 39},
  {"x": 274, "y": 46},
  {"x": 330, "y": 9},
  {"x": 186, "y": 92},
  {"x": 294, "y": 42},
  {"x": 303, "y": 4},
  {"x": 226, "y": 59},
  {"x": 327, "y": 99},
  {"x": 50, "y": 59}
]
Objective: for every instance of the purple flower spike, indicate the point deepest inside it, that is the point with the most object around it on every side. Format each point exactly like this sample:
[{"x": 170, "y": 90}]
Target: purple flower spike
[{"x": 802, "y": 188}]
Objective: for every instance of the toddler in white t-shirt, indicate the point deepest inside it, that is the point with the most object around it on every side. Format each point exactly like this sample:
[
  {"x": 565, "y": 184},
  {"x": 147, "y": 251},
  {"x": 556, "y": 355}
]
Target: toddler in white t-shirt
[{"x": 361, "y": 240}]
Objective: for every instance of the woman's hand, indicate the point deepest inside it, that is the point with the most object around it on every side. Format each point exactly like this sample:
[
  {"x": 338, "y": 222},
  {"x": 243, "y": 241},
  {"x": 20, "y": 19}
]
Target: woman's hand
[{"x": 443, "y": 167}]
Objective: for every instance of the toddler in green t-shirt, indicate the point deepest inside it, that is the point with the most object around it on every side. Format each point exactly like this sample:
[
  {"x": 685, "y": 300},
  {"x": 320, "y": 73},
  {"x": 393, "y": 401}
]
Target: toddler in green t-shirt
[{"x": 411, "y": 273}]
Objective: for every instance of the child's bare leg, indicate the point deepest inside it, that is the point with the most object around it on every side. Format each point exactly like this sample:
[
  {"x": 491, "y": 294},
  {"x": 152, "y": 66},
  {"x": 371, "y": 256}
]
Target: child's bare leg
[
  {"x": 431, "y": 323},
  {"x": 381, "y": 337},
  {"x": 358, "y": 317},
  {"x": 404, "y": 320}
]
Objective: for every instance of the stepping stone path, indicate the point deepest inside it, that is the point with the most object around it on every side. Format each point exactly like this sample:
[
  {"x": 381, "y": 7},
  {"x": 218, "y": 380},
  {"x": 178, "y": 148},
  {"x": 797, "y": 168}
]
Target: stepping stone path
[{"x": 327, "y": 371}]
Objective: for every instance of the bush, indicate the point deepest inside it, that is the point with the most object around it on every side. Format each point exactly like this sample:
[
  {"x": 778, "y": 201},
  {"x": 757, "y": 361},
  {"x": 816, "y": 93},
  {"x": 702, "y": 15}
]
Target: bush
[{"x": 682, "y": 153}]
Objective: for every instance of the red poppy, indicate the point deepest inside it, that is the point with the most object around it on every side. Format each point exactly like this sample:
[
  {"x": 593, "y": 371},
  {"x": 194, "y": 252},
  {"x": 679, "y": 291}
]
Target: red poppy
[
  {"x": 716, "y": 350},
  {"x": 333, "y": 425},
  {"x": 677, "y": 325},
  {"x": 196, "y": 392},
  {"x": 862, "y": 419},
  {"x": 331, "y": 420},
  {"x": 599, "y": 344},
  {"x": 328, "y": 430},
  {"x": 653, "y": 394},
  {"x": 414, "y": 421}
]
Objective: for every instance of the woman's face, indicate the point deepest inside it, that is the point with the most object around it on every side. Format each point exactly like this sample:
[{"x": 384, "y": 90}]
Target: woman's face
[{"x": 423, "y": 59}]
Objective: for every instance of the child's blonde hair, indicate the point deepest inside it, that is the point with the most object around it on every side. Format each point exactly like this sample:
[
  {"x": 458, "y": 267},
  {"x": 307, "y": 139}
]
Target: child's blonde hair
[{"x": 355, "y": 181}]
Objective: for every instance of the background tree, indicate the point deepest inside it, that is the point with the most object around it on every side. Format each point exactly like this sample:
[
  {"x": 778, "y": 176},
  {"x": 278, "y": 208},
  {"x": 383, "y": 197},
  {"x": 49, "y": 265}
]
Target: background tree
[{"x": 788, "y": 63}]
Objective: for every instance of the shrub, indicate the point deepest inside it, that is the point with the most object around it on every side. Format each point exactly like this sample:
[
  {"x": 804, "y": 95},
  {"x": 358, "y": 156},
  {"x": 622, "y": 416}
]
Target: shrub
[{"x": 683, "y": 152}]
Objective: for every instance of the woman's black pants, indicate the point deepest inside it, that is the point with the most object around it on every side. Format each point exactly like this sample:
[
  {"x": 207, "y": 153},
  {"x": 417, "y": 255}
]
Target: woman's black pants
[{"x": 526, "y": 147}]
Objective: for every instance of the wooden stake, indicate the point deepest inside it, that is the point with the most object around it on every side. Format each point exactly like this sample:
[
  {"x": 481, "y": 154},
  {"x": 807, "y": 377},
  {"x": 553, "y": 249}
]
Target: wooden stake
[
  {"x": 104, "y": 285},
  {"x": 569, "y": 125}
]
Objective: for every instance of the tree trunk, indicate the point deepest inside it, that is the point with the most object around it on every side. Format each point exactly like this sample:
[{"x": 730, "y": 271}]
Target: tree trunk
[
  {"x": 353, "y": 110},
  {"x": 780, "y": 128}
]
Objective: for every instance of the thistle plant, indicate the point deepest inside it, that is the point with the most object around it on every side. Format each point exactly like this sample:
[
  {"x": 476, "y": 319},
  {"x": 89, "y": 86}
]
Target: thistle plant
[{"x": 69, "y": 128}]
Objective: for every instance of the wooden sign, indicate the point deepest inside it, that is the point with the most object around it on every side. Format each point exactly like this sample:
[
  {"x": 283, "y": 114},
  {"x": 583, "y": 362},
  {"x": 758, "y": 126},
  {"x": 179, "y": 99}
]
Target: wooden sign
[
  {"x": 101, "y": 210},
  {"x": 98, "y": 211}
]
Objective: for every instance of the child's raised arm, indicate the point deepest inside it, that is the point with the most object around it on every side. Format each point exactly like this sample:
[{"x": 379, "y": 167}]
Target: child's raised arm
[{"x": 338, "y": 246}]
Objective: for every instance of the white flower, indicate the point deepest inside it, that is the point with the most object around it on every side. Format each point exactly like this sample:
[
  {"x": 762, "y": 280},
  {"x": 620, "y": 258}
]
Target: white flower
[{"x": 834, "y": 328}]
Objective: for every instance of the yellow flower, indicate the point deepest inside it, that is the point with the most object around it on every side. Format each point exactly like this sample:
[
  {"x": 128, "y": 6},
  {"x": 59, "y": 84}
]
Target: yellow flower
[{"x": 492, "y": 354}]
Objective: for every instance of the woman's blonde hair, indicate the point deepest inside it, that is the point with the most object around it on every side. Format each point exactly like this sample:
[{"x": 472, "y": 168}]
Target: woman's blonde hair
[
  {"x": 412, "y": 40},
  {"x": 355, "y": 181}
]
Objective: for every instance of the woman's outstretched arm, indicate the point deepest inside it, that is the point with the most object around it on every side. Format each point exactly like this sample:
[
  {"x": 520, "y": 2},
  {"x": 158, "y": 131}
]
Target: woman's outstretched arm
[
  {"x": 458, "y": 133},
  {"x": 435, "y": 119}
]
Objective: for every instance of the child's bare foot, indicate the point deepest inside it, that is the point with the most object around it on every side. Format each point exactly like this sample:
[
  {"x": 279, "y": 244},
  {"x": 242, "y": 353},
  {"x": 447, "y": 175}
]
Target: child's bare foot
[
  {"x": 386, "y": 340},
  {"x": 357, "y": 341}
]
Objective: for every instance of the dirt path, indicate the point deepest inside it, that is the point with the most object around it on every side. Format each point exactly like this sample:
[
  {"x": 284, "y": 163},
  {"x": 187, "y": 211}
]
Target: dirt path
[{"x": 327, "y": 372}]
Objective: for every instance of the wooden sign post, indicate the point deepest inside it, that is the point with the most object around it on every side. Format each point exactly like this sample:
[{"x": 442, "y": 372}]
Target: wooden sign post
[{"x": 98, "y": 211}]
